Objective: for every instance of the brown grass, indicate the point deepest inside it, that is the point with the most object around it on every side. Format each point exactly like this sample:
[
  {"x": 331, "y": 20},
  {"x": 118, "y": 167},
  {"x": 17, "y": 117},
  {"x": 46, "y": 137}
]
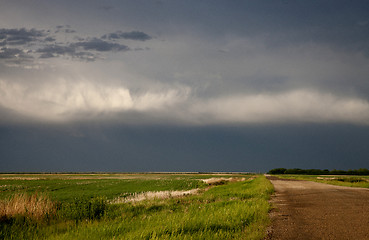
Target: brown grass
[{"x": 34, "y": 206}]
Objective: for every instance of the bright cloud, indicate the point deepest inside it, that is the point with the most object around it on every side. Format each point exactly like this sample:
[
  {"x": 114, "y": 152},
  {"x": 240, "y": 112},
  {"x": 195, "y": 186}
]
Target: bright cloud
[
  {"x": 296, "y": 106},
  {"x": 65, "y": 101}
]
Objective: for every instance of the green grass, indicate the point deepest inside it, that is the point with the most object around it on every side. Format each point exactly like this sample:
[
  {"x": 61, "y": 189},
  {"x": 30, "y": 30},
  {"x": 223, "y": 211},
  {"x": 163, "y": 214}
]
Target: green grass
[
  {"x": 340, "y": 180},
  {"x": 235, "y": 210},
  {"x": 68, "y": 187}
]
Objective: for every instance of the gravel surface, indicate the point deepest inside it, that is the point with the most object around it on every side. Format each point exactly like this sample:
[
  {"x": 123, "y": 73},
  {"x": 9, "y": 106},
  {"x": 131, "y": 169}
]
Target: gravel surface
[{"x": 310, "y": 210}]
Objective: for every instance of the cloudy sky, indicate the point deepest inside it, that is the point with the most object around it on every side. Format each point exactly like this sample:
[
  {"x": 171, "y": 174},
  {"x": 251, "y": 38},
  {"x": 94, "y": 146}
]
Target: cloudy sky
[{"x": 183, "y": 85}]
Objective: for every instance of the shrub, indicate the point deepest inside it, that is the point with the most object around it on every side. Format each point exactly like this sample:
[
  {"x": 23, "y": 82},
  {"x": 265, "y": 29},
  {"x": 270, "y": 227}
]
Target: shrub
[
  {"x": 277, "y": 171},
  {"x": 350, "y": 179},
  {"x": 82, "y": 208}
]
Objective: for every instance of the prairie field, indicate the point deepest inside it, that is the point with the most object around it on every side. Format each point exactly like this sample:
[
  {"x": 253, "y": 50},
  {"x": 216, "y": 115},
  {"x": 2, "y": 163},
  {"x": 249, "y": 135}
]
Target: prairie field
[
  {"x": 339, "y": 180},
  {"x": 134, "y": 206}
]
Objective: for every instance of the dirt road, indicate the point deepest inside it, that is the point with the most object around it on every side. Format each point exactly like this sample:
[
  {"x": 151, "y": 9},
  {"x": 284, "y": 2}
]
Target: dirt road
[{"x": 310, "y": 210}]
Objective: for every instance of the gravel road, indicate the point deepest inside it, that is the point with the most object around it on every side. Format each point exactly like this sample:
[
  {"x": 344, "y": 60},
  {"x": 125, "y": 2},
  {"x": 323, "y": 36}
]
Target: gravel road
[{"x": 310, "y": 210}]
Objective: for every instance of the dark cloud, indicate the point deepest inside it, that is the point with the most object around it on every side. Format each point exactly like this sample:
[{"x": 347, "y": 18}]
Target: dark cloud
[
  {"x": 50, "y": 39},
  {"x": 8, "y": 53},
  {"x": 141, "y": 49},
  {"x": 101, "y": 45},
  {"x": 22, "y": 36},
  {"x": 64, "y": 29},
  {"x": 21, "y": 32},
  {"x": 55, "y": 50},
  {"x": 87, "y": 56},
  {"x": 69, "y": 31},
  {"x": 43, "y": 44},
  {"x": 134, "y": 35},
  {"x": 14, "y": 54},
  {"x": 47, "y": 55}
]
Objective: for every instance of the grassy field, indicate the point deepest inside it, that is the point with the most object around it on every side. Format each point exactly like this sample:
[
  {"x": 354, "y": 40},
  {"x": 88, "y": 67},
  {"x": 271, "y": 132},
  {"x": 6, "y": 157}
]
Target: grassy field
[
  {"x": 77, "y": 206},
  {"x": 340, "y": 180},
  {"x": 67, "y": 187}
]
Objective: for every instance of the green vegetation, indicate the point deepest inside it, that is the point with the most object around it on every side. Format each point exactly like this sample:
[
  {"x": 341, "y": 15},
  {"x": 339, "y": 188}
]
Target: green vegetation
[
  {"x": 361, "y": 171},
  {"x": 349, "y": 178},
  {"x": 348, "y": 181},
  {"x": 234, "y": 208},
  {"x": 67, "y": 187}
]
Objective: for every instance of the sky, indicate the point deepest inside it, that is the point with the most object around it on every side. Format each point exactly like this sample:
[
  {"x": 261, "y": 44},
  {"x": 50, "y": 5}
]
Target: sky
[{"x": 167, "y": 85}]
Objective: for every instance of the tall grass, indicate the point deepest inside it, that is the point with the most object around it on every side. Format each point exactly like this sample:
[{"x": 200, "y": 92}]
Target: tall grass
[
  {"x": 35, "y": 206},
  {"x": 35, "y": 216}
]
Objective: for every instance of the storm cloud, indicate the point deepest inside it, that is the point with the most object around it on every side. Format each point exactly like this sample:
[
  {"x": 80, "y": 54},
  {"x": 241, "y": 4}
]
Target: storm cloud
[{"x": 261, "y": 68}]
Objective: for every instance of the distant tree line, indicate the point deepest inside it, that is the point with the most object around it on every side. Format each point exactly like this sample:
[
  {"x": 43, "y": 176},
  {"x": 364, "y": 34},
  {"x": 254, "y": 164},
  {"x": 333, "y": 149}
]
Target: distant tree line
[{"x": 360, "y": 171}]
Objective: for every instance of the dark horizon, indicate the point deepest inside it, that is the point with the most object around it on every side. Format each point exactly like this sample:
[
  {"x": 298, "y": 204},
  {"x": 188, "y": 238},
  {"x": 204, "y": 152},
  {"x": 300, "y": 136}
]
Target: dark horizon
[{"x": 201, "y": 149}]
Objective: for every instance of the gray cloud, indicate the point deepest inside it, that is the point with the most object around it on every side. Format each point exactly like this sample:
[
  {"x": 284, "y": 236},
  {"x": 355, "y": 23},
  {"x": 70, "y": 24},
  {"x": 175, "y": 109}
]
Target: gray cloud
[
  {"x": 64, "y": 29},
  {"x": 47, "y": 55},
  {"x": 14, "y": 55},
  {"x": 100, "y": 45},
  {"x": 133, "y": 35},
  {"x": 69, "y": 31},
  {"x": 49, "y": 39},
  {"x": 87, "y": 56},
  {"x": 8, "y": 53},
  {"x": 89, "y": 48},
  {"x": 33, "y": 43},
  {"x": 54, "y": 50},
  {"x": 51, "y": 51},
  {"x": 14, "y": 36}
]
